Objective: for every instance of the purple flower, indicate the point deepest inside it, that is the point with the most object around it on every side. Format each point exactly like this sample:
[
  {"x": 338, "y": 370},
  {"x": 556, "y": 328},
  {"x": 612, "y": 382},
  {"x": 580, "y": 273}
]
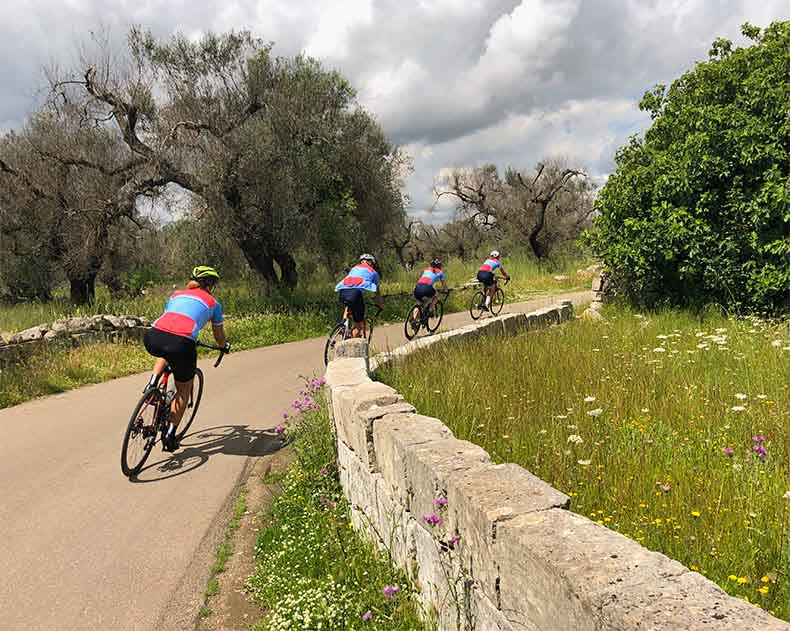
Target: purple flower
[
  {"x": 324, "y": 471},
  {"x": 728, "y": 451},
  {"x": 760, "y": 451},
  {"x": 758, "y": 439},
  {"x": 279, "y": 430},
  {"x": 432, "y": 519},
  {"x": 390, "y": 591},
  {"x": 367, "y": 616},
  {"x": 441, "y": 502},
  {"x": 454, "y": 539}
]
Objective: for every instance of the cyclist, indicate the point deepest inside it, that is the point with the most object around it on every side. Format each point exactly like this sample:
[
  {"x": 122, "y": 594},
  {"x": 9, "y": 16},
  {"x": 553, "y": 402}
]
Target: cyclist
[
  {"x": 364, "y": 276},
  {"x": 425, "y": 284},
  {"x": 486, "y": 275},
  {"x": 173, "y": 335}
]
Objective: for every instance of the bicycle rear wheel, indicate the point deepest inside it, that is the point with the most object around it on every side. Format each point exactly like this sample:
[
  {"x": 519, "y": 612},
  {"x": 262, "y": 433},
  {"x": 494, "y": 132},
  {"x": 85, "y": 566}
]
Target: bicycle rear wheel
[
  {"x": 436, "y": 319},
  {"x": 337, "y": 335},
  {"x": 412, "y": 324},
  {"x": 141, "y": 432},
  {"x": 477, "y": 305},
  {"x": 498, "y": 301},
  {"x": 192, "y": 404}
]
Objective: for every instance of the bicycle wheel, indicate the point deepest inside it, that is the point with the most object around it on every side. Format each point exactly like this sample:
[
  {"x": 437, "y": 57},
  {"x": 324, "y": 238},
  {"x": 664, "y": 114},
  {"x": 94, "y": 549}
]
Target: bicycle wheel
[
  {"x": 337, "y": 335},
  {"x": 498, "y": 301},
  {"x": 412, "y": 324},
  {"x": 192, "y": 405},
  {"x": 436, "y": 319},
  {"x": 141, "y": 432},
  {"x": 477, "y": 305}
]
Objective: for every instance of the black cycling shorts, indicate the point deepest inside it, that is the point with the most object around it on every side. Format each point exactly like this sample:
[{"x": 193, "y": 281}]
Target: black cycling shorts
[
  {"x": 353, "y": 299},
  {"x": 180, "y": 352},
  {"x": 421, "y": 292},
  {"x": 487, "y": 278}
]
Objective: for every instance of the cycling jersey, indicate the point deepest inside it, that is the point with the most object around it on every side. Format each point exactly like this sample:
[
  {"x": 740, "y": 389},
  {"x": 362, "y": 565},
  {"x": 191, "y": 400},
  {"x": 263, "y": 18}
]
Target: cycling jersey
[
  {"x": 361, "y": 276},
  {"x": 188, "y": 311},
  {"x": 490, "y": 265},
  {"x": 431, "y": 276}
]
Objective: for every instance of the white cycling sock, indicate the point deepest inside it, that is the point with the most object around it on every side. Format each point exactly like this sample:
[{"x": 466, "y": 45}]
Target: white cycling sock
[{"x": 488, "y": 300}]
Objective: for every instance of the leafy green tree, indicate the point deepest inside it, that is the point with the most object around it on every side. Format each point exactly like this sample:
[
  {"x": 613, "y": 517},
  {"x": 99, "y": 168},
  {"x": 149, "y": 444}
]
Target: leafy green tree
[{"x": 698, "y": 211}]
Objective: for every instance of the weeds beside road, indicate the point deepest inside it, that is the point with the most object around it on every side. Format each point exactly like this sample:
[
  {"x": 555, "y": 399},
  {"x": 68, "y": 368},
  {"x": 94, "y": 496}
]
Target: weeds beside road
[{"x": 670, "y": 428}]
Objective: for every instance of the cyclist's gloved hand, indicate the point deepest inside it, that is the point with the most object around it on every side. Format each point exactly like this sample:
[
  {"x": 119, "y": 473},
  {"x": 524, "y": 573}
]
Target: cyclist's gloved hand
[{"x": 226, "y": 348}]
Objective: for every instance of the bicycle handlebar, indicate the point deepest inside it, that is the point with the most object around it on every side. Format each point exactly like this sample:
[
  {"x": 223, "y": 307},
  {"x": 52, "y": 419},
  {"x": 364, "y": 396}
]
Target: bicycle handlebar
[{"x": 222, "y": 351}]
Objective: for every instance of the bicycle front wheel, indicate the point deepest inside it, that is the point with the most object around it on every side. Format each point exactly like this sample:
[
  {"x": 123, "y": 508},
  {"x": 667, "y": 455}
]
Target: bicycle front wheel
[
  {"x": 412, "y": 324},
  {"x": 337, "y": 335},
  {"x": 192, "y": 404},
  {"x": 498, "y": 301},
  {"x": 141, "y": 432},
  {"x": 477, "y": 305},
  {"x": 436, "y": 319}
]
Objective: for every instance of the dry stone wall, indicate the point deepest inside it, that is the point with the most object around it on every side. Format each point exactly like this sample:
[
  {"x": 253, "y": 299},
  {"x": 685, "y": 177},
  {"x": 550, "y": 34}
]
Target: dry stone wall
[
  {"x": 492, "y": 547},
  {"x": 70, "y": 332}
]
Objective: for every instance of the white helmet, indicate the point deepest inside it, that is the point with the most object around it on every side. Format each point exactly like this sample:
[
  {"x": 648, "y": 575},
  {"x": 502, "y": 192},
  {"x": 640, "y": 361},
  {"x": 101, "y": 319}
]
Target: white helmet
[
  {"x": 494, "y": 254},
  {"x": 367, "y": 257}
]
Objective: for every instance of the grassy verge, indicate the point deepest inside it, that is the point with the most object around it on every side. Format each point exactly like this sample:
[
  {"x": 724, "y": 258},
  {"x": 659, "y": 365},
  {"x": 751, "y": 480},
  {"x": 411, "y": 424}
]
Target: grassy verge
[
  {"x": 670, "y": 428},
  {"x": 313, "y": 570}
]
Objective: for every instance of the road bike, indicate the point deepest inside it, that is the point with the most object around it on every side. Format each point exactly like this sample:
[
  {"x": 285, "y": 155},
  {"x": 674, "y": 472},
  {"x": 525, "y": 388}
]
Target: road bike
[
  {"x": 151, "y": 415},
  {"x": 422, "y": 316},
  {"x": 342, "y": 331},
  {"x": 478, "y": 305}
]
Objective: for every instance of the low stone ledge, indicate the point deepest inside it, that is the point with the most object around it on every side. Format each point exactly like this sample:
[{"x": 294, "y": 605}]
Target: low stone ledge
[{"x": 347, "y": 371}]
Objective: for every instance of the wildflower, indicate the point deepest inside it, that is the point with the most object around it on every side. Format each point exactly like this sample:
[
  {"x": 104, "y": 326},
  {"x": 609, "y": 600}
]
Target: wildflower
[
  {"x": 659, "y": 349},
  {"x": 583, "y": 463},
  {"x": 595, "y": 412},
  {"x": 694, "y": 568},
  {"x": 440, "y": 502},
  {"x": 743, "y": 580},
  {"x": 776, "y": 343},
  {"x": 575, "y": 439},
  {"x": 763, "y": 590},
  {"x": 738, "y": 408},
  {"x": 324, "y": 471},
  {"x": 758, "y": 439},
  {"x": 732, "y": 577},
  {"x": 367, "y": 616},
  {"x": 737, "y": 467},
  {"x": 561, "y": 416},
  {"x": 645, "y": 410},
  {"x": 786, "y": 496},
  {"x": 741, "y": 396},
  {"x": 765, "y": 579},
  {"x": 279, "y": 430},
  {"x": 454, "y": 539},
  {"x": 589, "y": 399},
  {"x": 728, "y": 451},
  {"x": 432, "y": 519},
  {"x": 695, "y": 513},
  {"x": 390, "y": 591},
  {"x": 762, "y": 396},
  {"x": 760, "y": 451}
]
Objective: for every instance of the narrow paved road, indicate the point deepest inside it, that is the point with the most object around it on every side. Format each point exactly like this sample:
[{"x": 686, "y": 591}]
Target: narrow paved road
[{"x": 81, "y": 547}]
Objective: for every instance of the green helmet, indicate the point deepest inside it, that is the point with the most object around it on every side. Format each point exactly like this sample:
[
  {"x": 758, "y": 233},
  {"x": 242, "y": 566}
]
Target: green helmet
[{"x": 204, "y": 272}]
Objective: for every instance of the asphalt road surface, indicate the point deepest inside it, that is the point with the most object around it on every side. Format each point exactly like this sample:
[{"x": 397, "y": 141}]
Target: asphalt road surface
[{"x": 82, "y": 547}]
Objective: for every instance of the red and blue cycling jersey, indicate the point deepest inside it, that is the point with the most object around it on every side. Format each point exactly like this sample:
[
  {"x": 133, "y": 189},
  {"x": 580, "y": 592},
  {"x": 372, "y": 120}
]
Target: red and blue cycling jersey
[
  {"x": 431, "y": 276},
  {"x": 490, "y": 265},
  {"x": 361, "y": 276},
  {"x": 188, "y": 311}
]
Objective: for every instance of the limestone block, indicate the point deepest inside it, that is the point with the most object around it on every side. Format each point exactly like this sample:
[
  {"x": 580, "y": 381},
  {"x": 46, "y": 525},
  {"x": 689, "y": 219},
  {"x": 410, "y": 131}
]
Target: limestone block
[
  {"x": 556, "y": 568},
  {"x": 145, "y": 322},
  {"x": 29, "y": 335},
  {"x": 53, "y": 334},
  {"x": 533, "y": 321},
  {"x": 346, "y": 371},
  {"x": 486, "y": 616},
  {"x": 433, "y": 567},
  {"x": 96, "y": 322},
  {"x": 60, "y": 326},
  {"x": 352, "y": 348},
  {"x": 514, "y": 323},
  {"x": 2, "y": 341},
  {"x": 113, "y": 321},
  {"x": 78, "y": 324},
  {"x": 355, "y": 410},
  {"x": 597, "y": 284},
  {"x": 490, "y": 326},
  {"x": 481, "y": 500},
  {"x": 429, "y": 469},
  {"x": 566, "y": 310},
  {"x": 394, "y": 436},
  {"x": 393, "y": 525},
  {"x": 357, "y": 481}
]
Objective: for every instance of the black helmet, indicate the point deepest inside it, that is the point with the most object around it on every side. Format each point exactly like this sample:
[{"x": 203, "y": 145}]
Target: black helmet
[{"x": 437, "y": 262}]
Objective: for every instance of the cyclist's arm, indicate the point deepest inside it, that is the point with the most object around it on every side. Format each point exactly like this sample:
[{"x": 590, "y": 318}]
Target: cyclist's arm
[
  {"x": 444, "y": 284},
  {"x": 504, "y": 273},
  {"x": 219, "y": 334}
]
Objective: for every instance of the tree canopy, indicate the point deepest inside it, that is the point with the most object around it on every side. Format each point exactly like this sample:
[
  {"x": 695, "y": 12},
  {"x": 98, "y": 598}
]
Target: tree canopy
[{"x": 698, "y": 211}]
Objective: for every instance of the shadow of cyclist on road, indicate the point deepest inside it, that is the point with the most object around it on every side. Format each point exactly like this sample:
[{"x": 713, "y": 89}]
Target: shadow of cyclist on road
[{"x": 198, "y": 446}]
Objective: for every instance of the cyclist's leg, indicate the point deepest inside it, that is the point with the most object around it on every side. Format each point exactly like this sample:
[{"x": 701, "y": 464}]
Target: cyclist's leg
[
  {"x": 179, "y": 404},
  {"x": 356, "y": 303},
  {"x": 182, "y": 357}
]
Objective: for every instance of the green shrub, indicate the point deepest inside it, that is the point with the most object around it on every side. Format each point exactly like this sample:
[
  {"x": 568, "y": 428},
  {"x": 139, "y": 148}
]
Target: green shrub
[{"x": 698, "y": 211}]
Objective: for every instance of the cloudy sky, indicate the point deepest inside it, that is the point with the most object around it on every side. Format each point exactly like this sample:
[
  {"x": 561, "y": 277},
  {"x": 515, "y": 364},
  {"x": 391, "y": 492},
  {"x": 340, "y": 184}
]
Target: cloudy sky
[{"x": 455, "y": 82}]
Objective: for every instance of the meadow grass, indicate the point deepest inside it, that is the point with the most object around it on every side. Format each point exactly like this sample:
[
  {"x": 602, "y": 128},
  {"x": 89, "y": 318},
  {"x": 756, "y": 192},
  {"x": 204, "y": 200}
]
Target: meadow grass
[
  {"x": 671, "y": 428},
  {"x": 314, "y": 571}
]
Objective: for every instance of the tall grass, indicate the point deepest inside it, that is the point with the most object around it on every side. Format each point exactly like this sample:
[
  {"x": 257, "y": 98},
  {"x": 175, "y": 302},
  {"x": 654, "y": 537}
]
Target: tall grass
[
  {"x": 670, "y": 428},
  {"x": 314, "y": 571}
]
